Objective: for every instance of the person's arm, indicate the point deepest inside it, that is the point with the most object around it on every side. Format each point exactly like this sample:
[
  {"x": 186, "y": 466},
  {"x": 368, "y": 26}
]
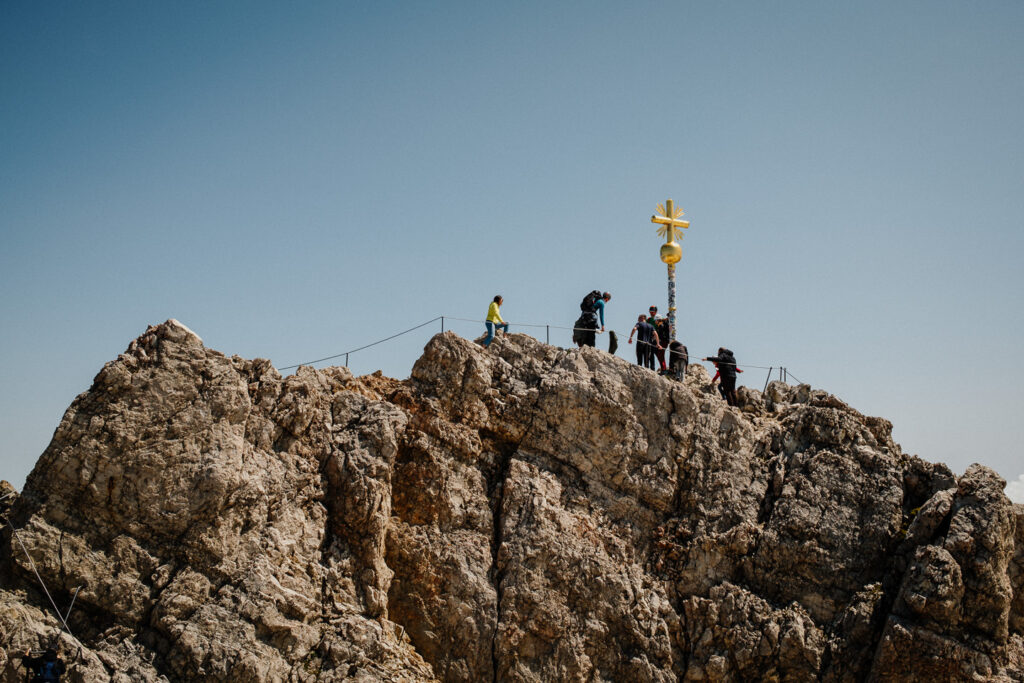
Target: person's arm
[
  {"x": 631, "y": 333},
  {"x": 657, "y": 342}
]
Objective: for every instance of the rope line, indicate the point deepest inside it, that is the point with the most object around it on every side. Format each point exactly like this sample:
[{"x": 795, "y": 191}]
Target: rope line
[
  {"x": 442, "y": 318},
  {"x": 381, "y": 341},
  {"x": 56, "y": 610}
]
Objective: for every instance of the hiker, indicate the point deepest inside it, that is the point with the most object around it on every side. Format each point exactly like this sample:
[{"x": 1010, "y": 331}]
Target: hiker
[
  {"x": 646, "y": 341},
  {"x": 725, "y": 361},
  {"x": 678, "y": 360},
  {"x": 721, "y": 387},
  {"x": 661, "y": 326},
  {"x": 49, "y": 667},
  {"x": 585, "y": 330},
  {"x": 494, "y": 320}
]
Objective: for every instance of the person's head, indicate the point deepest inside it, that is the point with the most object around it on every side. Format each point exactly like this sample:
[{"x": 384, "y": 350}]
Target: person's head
[
  {"x": 653, "y": 310},
  {"x": 50, "y": 655},
  {"x": 721, "y": 350},
  {"x": 606, "y": 296},
  {"x": 641, "y": 318},
  {"x": 498, "y": 299}
]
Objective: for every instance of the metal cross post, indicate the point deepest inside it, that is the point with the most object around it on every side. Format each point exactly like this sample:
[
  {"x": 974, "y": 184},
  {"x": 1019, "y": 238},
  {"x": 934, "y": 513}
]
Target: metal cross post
[{"x": 671, "y": 253}]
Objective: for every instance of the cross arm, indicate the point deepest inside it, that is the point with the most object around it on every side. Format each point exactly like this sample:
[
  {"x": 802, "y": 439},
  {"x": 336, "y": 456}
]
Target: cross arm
[{"x": 664, "y": 220}]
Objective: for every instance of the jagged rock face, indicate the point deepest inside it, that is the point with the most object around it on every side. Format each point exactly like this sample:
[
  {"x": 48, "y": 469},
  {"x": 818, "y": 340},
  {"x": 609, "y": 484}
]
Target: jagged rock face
[{"x": 521, "y": 512}]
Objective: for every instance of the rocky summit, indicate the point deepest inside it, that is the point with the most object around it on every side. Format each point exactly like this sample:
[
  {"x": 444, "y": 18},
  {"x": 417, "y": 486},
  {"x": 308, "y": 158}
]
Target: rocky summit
[{"x": 517, "y": 513}]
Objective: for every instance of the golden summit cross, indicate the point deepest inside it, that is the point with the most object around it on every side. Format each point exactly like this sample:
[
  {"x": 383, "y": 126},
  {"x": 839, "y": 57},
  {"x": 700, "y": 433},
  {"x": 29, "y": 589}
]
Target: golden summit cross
[
  {"x": 669, "y": 221},
  {"x": 671, "y": 253}
]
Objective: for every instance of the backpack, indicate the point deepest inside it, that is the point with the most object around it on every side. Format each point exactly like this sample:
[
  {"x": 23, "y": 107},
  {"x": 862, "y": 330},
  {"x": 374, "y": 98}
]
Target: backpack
[{"x": 587, "y": 305}]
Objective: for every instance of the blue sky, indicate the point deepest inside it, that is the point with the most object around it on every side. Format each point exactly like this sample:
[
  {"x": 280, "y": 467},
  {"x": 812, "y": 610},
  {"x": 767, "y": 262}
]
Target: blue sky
[{"x": 293, "y": 180}]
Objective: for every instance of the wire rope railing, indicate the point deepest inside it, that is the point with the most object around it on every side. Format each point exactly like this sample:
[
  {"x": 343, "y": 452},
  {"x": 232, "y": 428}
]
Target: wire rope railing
[{"x": 784, "y": 373}]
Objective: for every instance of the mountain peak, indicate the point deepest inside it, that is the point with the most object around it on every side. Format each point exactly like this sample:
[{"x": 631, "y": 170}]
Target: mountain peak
[{"x": 520, "y": 512}]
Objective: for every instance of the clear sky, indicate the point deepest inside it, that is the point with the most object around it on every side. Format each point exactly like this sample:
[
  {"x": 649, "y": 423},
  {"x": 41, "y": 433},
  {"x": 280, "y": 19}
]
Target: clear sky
[{"x": 294, "y": 180}]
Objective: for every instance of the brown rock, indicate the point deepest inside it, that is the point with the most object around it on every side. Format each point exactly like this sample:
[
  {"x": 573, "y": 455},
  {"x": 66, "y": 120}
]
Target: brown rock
[{"x": 521, "y": 512}]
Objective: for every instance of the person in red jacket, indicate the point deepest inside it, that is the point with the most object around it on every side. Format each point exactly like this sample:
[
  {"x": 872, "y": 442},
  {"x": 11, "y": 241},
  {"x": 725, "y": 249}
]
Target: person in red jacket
[
  {"x": 725, "y": 362},
  {"x": 662, "y": 327}
]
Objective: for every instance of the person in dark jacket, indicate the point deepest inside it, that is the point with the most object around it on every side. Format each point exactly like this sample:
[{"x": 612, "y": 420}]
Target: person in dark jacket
[
  {"x": 646, "y": 341},
  {"x": 49, "y": 667},
  {"x": 725, "y": 361},
  {"x": 678, "y": 360}
]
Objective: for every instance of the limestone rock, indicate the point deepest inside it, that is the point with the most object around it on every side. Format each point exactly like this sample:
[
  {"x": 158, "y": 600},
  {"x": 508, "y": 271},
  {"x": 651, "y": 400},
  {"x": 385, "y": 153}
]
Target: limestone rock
[{"x": 519, "y": 513}]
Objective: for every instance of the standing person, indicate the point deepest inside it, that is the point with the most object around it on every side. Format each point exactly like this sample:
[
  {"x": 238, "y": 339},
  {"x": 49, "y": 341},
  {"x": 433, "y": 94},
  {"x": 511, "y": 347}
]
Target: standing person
[
  {"x": 494, "y": 320},
  {"x": 49, "y": 667},
  {"x": 725, "y": 361},
  {"x": 599, "y": 307},
  {"x": 646, "y": 341},
  {"x": 664, "y": 334},
  {"x": 585, "y": 330}
]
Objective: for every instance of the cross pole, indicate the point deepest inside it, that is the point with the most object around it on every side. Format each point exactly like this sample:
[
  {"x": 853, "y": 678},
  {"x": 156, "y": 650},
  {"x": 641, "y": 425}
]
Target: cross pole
[{"x": 671, "y": 253}]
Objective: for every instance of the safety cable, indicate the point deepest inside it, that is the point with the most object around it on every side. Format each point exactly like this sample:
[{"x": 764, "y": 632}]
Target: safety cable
[
  {"x": 56, "y": 610},
  {"x": 443, "y": 318},
  {"x": 381, "y": 341}
]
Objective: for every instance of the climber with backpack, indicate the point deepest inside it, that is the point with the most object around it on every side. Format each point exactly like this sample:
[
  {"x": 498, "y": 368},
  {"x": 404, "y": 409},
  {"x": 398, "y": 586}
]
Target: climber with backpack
[
  {"x": 49, "y": 667},
  {"x": 584, "y": 332},
  {"x": 725, "y": 361}
]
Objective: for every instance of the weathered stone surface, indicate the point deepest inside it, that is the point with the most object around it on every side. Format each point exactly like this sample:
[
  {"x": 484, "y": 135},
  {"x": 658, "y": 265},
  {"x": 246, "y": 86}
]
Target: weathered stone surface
[
  {"x": 1016, "y": 572},
  {"x": 980, "y": 539},
  {"x": 521, "y": 512},
  {"x": 199, "y": 502}
]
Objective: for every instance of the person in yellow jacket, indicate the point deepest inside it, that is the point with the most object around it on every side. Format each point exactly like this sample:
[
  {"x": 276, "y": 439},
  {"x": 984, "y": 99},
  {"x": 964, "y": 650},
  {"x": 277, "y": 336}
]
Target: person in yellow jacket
[{"x": 494, "y": 320}]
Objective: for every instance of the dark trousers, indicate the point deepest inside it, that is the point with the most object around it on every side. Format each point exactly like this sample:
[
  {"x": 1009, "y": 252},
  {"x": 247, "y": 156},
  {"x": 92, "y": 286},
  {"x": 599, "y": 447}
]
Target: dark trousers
[
  {"x": 728, "y": 390},
  {"x": 644, "y": 355},
  {"x": 585, "y": 333}
]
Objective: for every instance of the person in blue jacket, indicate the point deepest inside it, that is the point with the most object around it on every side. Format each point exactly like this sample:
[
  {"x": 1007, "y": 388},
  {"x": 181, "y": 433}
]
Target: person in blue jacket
[
  {"x": 585, "y": 329},
  {"x": 49, "y": 667}
]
